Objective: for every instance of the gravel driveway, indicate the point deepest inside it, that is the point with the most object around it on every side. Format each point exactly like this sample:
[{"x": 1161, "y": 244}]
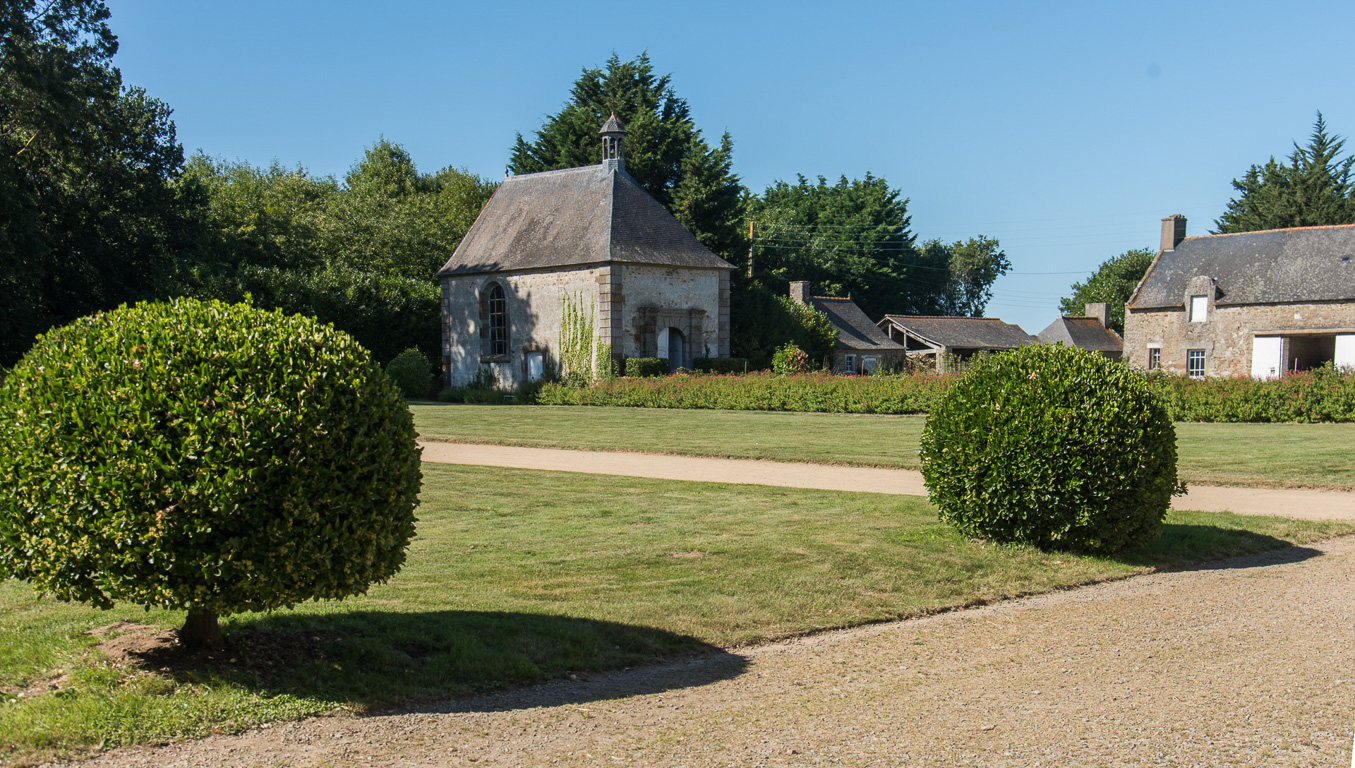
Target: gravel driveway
[{"x": 1249, "y": 662}]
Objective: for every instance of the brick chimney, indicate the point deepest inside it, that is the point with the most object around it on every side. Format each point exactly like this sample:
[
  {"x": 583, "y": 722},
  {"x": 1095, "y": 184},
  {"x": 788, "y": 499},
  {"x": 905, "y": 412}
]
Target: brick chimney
[
  {"x": 799, "y": 292},
  {"x": 1099, "y": 310},
  {"x": 1173, "y": 231}
]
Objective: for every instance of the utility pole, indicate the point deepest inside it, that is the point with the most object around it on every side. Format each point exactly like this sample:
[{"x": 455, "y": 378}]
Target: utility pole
[{"x": 752, "y": 244}]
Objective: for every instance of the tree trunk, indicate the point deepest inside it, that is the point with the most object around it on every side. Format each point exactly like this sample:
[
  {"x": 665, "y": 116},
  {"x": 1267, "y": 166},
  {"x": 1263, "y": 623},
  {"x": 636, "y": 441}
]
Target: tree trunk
[{"x": 201, "y": 631}]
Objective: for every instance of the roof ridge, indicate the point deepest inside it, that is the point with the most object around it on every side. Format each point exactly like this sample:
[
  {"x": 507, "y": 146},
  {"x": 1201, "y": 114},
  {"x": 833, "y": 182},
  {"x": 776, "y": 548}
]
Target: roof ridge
[{"x": 1268, "y": 231}]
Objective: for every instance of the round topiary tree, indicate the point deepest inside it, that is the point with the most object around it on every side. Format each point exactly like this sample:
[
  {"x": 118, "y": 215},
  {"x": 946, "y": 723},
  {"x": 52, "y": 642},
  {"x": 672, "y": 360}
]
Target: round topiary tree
[
  {"x": 203, "y": 456},
  {"x": 412, "y": 373},
  {"x": 1053, "y": 446}
]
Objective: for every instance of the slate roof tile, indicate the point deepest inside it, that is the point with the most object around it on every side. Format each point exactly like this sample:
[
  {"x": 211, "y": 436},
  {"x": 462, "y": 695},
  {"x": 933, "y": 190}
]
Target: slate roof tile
[{"x": 1276, "y": 266}]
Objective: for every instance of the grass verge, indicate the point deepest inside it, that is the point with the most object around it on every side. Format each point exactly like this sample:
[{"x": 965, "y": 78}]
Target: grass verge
[
  {"x": 518, "y": 576},
  {"x": 1273, "y": 455}
]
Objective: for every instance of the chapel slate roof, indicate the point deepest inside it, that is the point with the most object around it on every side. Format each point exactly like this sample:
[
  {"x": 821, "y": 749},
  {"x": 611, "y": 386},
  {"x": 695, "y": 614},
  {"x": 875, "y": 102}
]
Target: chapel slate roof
[
  {"x": 963, "y": 332},
  {"x": 854, "y": 329},
  {"x": 592, "y": 215},
  {"x": 1276, "y": 266},
  {"x": 1083, "y": 333}
]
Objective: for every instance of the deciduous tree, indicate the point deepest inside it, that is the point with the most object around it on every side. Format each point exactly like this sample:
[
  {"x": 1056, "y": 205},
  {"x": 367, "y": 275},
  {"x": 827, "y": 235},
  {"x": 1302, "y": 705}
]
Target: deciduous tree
[{"x": 1112, "y": 283}]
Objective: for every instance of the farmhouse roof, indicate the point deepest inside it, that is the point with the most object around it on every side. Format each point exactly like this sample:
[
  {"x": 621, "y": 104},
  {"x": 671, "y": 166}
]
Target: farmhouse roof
[
  {"x": 961, "y": 332},
  {"x": 1083, "y": 333},
  {"x": 854, "y": 329},
  {"x": 1276, "y": 266},
  {"x": 592, "y": 215}
]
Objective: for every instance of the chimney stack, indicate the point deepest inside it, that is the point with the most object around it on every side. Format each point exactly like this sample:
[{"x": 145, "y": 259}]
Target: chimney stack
[
  {"x": 1101, "y": 311},
  {"x": 799, "y": 292},
  {"x": 1173, "y": 231}
]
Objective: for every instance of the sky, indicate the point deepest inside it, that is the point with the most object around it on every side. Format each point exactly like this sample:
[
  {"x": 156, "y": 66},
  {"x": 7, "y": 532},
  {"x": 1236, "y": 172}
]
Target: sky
[{"x": 1066, "y": 131}]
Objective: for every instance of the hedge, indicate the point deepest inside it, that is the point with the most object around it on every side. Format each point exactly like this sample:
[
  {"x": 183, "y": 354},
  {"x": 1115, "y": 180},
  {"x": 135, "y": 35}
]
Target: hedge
[
  {"x": 646, "y": 367},
  {"x": 1321, "y": 395},
  {"x": 720, "y": 365},
  {"x": 760, "y": 391}
]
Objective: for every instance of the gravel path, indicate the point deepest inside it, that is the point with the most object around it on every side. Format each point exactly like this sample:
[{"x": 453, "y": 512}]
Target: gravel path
[
  {"x": 1303, "y": 504},
  {"x": 1244, "y": 663}
]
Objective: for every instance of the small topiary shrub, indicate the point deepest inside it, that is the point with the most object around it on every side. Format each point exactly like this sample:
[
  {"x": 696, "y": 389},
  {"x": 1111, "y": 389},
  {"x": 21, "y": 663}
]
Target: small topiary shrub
[
  {"x": 412, "y": 373},
  {"x": 642, "y": 367},
  {"x": 203, "y": 456},
  {"x": 1053, "y": 446},
  {"x": 790, "y": 359}
]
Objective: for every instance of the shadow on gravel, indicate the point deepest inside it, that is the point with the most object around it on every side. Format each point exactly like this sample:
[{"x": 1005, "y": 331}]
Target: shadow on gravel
[
  {"x": 1180, "y": 545},
  {"x": 377, "y": 660}
]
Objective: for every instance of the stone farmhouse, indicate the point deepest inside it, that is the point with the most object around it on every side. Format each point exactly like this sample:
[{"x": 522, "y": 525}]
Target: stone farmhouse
[
  {"x": 1086, "y": 332},
  {"x": 1259, "y": 303},
  {"x": 861, "y": 347},
  {"x": 591, "y": 238},
  {"x": 943, "y": 340}
]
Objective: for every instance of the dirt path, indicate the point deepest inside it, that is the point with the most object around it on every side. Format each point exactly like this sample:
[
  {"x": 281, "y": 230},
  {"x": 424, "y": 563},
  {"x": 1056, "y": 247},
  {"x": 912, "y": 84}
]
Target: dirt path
[
  {"x": 1244, "y": 663},
  {"x": 1303, "y": 504}
]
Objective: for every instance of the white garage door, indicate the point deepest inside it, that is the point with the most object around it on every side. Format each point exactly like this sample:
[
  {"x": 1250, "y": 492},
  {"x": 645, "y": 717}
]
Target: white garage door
[{"x": 1265, "y": 357}]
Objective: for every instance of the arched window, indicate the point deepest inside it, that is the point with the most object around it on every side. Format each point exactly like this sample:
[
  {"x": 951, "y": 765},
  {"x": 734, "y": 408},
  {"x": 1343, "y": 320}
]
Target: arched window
[{"x": 498, "y": 320}]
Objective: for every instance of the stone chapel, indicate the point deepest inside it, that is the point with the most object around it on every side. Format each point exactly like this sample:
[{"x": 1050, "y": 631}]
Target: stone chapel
[{"x": 591, "y": 239}]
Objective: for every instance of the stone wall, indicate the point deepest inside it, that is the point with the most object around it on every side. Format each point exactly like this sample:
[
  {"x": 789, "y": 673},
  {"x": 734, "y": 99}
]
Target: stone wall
[
  {"x": 1226, "y": 334},
  {"x": 695, "y": 301},
  {"x": 535, "y": 303},
  {"x": 631, "y": 303}
]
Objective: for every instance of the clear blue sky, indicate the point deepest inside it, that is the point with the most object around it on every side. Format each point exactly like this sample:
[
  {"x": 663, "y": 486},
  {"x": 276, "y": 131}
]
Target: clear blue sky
[{"x": 1064, "y": 130}]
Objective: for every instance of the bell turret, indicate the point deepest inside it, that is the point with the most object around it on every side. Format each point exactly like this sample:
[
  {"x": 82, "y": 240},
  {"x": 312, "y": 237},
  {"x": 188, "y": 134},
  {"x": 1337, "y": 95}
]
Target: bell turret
[{"x": 613, "y": 143}]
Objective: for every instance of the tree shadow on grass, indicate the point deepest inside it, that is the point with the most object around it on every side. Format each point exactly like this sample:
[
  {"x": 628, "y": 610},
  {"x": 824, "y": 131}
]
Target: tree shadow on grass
[
  {"x": 379, "y": 660},
  {"x": 1181, "y": 547}
]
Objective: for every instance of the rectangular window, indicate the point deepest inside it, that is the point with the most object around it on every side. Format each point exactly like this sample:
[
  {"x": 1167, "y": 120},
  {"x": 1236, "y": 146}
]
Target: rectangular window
[
  {"x": 868, "y": 364},
  {"x": 1195, "y": 363},
  {"x": 1154, "y": 358},
  {"x": 1199, "y": 309},
  {"x": 850, "y": 366}
]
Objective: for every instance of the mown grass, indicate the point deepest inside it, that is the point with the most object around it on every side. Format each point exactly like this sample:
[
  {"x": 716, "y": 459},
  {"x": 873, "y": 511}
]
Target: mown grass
[
  {"x": 519, "y": 576},
  {"x": 1277, "y": 455}
]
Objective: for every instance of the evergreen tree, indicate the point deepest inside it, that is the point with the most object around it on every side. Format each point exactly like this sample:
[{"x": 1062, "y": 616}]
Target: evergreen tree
[
  {"x": 1113, "y": 282},
  {"x": 665, "y": 152},
  {"x": 1315, "y": 188}
]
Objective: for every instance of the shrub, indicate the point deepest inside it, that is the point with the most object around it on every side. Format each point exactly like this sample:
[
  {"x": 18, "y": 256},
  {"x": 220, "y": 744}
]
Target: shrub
[
  {"x": 411, "y": 373},
  {"x": 720, "y": 365},
  {"x": 1053, "y": 446},
  {"x": 203, "y": 456},
  {"x": 790, "y": 359},
  {"x": 761, "y": 391},
  {"x": 643, "y": 367}
]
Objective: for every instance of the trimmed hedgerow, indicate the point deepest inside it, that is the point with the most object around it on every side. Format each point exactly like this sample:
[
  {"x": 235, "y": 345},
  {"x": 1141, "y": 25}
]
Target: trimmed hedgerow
[
  {"x": 720, "y": 365},
  {"x": 203, "y": 456},
  {"x": 646, "y": 367},
  {"x": 1053, "y": 446},
  {"x": 762, "y": 391},
  {"x": 1324, "y": 394}
]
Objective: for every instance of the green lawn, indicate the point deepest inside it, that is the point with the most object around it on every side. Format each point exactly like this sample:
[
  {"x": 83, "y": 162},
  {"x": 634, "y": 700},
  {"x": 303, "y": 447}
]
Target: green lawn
[
  {"x": 1280, "y": 455},
  {"x": 520, "y": 576}
]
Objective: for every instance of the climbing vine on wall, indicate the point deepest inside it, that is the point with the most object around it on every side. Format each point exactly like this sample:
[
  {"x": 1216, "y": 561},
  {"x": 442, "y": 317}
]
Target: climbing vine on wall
[{"x": 576, "y": 341}]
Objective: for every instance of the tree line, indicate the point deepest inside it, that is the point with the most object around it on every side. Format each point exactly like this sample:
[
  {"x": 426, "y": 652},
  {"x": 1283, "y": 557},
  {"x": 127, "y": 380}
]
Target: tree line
[{"x": 99, "y": 206}]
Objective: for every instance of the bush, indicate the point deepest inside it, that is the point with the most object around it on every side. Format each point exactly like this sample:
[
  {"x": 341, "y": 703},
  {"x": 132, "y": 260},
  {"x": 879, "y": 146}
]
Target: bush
[
  {"x": 1053, "y": 446},
  {"x": 762, "y": 391},
  {"x": 790, "y": 359},
  {"x": 720, "y": 365},
  {"x": 203, "y": 456},
  {"x": 412, "y": 373},
  {"x": 644, "y": 367}
]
